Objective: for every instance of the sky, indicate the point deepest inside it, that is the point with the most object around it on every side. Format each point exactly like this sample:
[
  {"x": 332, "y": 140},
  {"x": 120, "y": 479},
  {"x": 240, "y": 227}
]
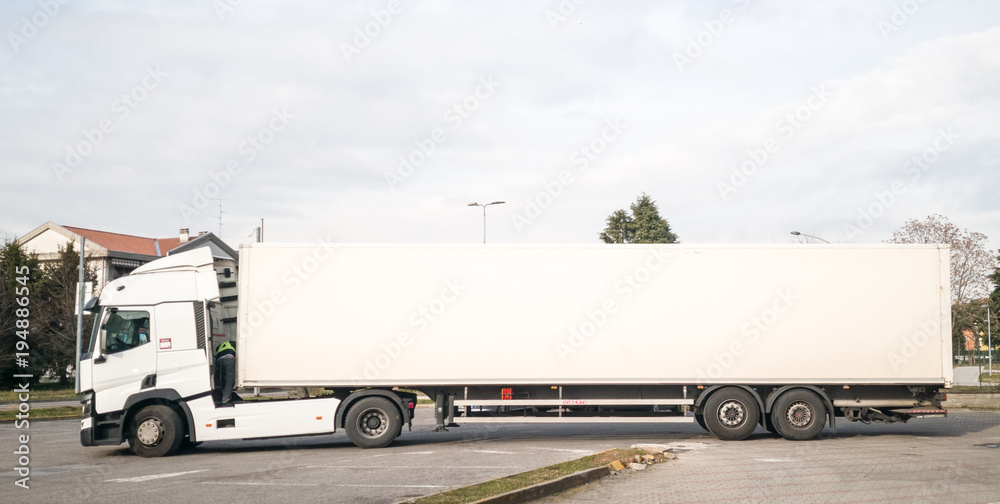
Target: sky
[{"x": 381, "y": 121}]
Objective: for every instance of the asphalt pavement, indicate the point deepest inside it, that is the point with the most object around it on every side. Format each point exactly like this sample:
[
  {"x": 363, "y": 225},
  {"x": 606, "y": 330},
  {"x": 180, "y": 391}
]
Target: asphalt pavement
[
  {"x": 969, "y": 375},
  {"x": 954, "y": 460},
  {"x": 928, "y": 460}
]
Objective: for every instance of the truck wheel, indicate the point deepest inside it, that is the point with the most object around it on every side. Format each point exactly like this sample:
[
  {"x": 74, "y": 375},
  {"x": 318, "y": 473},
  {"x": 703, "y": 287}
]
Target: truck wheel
[
  {"x": 769, "y": 425},
  {"x": 373, "y": 422},
  {"x": 731, "y": 414},
  {"x": 698, "y": 417},
  {"x": 798, "y": 415},
  {"x": 156, "y": 431}
]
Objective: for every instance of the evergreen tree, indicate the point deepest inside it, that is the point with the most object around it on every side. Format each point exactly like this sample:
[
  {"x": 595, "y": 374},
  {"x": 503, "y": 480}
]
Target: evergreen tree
[{"x": 643, "y": 225}]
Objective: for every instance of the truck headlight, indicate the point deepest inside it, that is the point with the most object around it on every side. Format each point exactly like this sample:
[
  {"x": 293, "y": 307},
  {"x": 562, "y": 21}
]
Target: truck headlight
[{"x": 87, "y": 401}]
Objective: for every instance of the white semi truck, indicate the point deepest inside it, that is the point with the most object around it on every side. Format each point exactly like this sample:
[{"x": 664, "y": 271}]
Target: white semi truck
[{"x": 790, "y": 338}]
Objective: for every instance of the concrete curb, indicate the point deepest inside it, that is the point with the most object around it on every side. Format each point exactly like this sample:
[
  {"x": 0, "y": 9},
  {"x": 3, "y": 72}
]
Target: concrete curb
[
  {"x": 955, "y": 401},
  {"x": 547, "y": 488}
]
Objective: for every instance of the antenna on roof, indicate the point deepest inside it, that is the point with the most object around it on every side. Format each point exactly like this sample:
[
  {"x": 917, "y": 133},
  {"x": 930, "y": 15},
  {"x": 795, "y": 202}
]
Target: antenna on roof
[{"x": 220, "y": 200}]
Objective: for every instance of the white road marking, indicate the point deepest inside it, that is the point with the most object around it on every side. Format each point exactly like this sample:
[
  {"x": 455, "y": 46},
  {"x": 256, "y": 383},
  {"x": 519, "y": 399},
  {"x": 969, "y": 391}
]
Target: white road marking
[
  {"x": 140, "y": 479},
  {"x": 256, "y": 483},
  {"x": 317, "y": 484},
  {"x": 778, "y": 460},
  {"x": 494, "y": 451},
  {"x": 406, "y": 467},
  {"x": 402, "y": 453},
  {"x": 588, "y": 452},
  {"x": 391, "y": 486}
]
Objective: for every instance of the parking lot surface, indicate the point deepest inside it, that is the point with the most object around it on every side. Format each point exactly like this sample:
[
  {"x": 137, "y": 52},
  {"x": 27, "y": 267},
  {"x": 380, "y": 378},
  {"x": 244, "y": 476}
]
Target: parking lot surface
[{"x": 931, "y": 460}]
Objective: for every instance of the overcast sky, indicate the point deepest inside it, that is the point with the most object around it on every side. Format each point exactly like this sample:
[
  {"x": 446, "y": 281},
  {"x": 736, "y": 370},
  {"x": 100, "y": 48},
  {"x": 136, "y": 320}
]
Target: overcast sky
[{"x": 380, "y": 121}]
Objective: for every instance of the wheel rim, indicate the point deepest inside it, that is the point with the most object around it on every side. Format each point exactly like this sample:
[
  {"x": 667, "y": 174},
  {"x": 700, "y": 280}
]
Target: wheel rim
[
  {"x": 149, "y": 432},
  {"x": 373, "y": 423},
  {"x": 799, "y": 414},
  {"x": 732, "y": 413}
]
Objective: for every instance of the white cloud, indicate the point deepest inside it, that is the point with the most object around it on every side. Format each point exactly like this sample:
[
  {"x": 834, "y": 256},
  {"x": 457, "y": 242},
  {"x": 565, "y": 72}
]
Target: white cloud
[{"x": 325, "y": 174}]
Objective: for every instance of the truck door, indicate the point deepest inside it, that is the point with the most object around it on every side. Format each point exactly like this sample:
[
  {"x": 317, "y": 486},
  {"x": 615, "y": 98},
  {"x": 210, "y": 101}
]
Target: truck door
[{"x": 125, "y": 358}]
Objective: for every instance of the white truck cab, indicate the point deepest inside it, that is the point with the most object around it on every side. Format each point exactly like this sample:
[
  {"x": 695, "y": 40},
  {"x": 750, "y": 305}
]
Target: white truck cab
[{"x": 147, "y": 371}]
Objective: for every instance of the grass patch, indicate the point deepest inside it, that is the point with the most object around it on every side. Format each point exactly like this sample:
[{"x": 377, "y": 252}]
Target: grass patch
[
  {"x": 42, "y": 392},
  {"x": 526, "y": 479},
  {"x": 43, "y": 413},
  {"x": 986, "y": 377}
]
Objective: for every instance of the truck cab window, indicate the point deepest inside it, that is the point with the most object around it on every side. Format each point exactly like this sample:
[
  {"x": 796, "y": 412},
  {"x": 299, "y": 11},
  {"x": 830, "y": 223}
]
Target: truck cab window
[{"x": 126, "y": 330}]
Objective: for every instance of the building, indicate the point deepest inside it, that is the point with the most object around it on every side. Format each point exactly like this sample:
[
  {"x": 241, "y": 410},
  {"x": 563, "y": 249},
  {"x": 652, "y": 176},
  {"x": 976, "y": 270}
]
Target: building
[{"x": 113, "y": 255}]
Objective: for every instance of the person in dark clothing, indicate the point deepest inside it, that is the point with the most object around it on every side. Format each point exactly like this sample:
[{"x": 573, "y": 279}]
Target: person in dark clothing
[{"x": 225, "y": 372}]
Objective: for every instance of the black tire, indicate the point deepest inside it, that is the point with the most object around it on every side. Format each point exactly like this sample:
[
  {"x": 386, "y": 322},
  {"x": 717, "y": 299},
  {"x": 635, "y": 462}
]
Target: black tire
[
  {"x": 155, "y": 431},
  {"x": 769, "y": 425},
  {"x": 731, "y": 414},
  {"x": 373, "y": 422},
  {"x": 798, "y": 415},
  {"x": 700, "y": 418}
]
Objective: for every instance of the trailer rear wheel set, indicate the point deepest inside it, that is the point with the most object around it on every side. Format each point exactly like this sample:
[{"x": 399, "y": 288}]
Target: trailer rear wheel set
[{"x": 732, "y": 413}]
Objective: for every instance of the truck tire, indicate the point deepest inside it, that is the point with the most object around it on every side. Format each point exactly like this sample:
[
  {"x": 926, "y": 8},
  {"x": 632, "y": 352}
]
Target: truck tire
[
  {"x": 698, "y": 417},
  {"x": 798, "y": 415},
  {"x": 156, "y": 431},
  {"x": 731, "y": 414},
  {"x": 373, "y": 422}
]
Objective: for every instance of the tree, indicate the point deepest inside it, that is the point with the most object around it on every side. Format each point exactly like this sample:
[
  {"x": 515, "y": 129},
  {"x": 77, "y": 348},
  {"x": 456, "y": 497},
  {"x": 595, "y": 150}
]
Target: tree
[
  {"x": 643, "y": 225},
  {"x": 56, "y": 324},
  {"x": 971, "y": 263},
  {"x": 13, "y": 278}
]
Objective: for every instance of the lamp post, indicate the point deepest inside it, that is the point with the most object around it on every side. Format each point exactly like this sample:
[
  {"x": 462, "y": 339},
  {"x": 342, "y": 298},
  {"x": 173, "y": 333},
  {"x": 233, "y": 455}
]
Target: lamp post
[
  {"x": 796, "y": 233},
  {"x": 484, "y": 214}
]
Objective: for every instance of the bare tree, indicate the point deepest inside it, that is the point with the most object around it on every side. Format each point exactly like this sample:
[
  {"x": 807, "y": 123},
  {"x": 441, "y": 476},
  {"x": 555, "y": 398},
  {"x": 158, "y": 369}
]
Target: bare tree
[{"x": 971, "y": 262}]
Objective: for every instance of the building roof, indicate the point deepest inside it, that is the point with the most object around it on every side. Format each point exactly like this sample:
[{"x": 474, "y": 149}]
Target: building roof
[
  {"x": 127, "y": 243},
  {"x": 128, "y": 246}
]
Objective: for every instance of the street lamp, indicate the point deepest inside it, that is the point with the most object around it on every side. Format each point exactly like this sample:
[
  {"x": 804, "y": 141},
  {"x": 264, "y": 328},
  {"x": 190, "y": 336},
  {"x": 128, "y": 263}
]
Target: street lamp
[
  {"x": 796, "y": 233},
  {"x": 484, "y": 214}
]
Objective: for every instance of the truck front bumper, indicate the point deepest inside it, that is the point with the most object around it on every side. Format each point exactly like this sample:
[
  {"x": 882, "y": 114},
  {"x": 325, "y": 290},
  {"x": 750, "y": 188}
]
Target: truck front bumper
[
  {"x": 86, "y": 424},
  {"x": 104, "y": 429}
]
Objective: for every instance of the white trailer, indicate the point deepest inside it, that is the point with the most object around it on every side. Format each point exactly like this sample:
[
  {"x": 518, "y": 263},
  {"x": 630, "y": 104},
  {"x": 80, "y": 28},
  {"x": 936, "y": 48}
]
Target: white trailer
[{"x": 788, "y": 337}]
